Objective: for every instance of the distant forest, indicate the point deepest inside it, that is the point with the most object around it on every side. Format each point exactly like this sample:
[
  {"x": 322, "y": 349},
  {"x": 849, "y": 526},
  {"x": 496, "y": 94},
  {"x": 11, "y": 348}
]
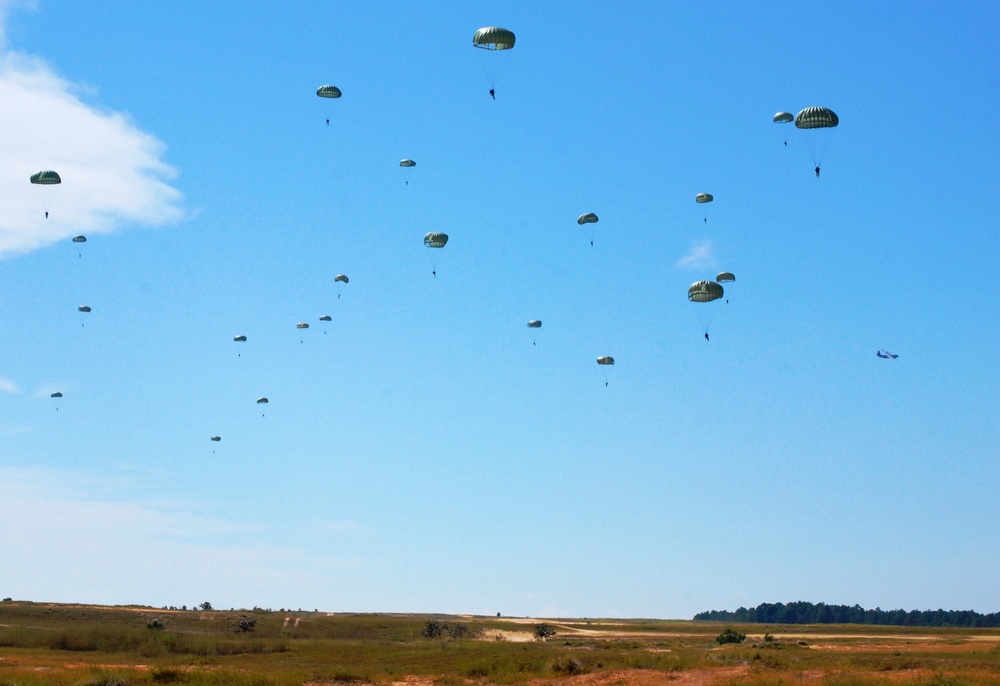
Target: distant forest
[{"x": 821, "y": 613}]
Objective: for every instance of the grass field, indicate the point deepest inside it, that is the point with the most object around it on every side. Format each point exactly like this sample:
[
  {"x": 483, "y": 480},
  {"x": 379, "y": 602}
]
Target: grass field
[{"x": 80, "y": 645}]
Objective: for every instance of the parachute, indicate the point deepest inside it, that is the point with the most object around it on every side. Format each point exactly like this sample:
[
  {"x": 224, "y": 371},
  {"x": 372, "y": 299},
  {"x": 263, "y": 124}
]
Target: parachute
[
  {"x": 328, "y": 92},
  {"x": 435, "y": 239},
  {"x": 326, "y": 318},
  {"x": 84, "y": 308},
  {"x": 704, "y": 197},
  {"x": 262, "y": 401},
  {"x": 216, "y": 438},
  {"x": 341, "y": 278},
  {"x": 57, "y": 394},
  {"x": 79, "y": 239},
  {"x": 705, "y": 292},
  {"x": 784, "y": 118},
  {"x": 46, "y": 178},
  {"x": 816, "y": 118},
  {"x": 302, "y": 325},
  {"x": 535, "y": 324},
  {"x": 240, "y": 338},
  {"x": 407, "y": 163},
  {"x": 605, "y": 359},
  {"x": 589, "y": 218},
  {"x": 493, "y": 38},
  {"x": 725, "y": 277}
]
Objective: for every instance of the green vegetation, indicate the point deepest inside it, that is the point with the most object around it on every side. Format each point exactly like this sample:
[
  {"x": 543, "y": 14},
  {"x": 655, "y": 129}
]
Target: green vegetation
[
  {"x": 730, "y": 635},
  {"x": 820, "y": 613},
  {"x": 73, "y": 645}
]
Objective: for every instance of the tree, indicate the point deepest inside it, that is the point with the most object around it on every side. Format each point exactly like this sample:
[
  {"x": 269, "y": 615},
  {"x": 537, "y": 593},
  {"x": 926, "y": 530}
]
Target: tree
[
  {"x": 206, "y": 606},
  {"x": 544, "y": 631}
]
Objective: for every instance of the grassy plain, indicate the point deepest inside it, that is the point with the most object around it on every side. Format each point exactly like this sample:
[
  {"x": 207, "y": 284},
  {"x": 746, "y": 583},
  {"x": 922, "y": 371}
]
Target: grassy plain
[{"x": 78, "y": 645}]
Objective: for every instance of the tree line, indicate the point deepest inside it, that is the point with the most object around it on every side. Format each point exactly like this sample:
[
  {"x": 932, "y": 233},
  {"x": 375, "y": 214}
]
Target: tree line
[{"x": 802, "y": 612}]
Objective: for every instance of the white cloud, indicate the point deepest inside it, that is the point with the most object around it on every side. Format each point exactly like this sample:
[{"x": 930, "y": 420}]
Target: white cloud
[
  {"x": 700, "y": 255},
  {"x": 112, "y": 172},
  {"x": 8, "y": 386}
]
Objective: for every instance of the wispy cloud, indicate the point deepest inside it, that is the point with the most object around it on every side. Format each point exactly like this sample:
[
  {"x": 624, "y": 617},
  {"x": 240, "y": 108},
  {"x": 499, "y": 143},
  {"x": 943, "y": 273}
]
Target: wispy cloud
[
  {"x": 112, "y": 172},
  {"x": 700, "y": 255},
  {"x": 124, "y": 548},
  {"x": 8, "y": 386}
]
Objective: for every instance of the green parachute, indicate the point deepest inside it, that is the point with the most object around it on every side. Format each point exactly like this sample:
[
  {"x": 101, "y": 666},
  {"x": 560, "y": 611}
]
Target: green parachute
[
  {"x": 816, "y": 118},
  {"x": 328, "y": 92},
  {"x": 493, "y": 38},
  {"x": 705, "y": 292}
]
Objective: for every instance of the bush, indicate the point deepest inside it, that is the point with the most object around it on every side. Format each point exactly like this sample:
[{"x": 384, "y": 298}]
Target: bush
[
  {"x": 544, "y": 631},
  {"x": 730, "y": 635},
  {"x": 155, "y": 625}
]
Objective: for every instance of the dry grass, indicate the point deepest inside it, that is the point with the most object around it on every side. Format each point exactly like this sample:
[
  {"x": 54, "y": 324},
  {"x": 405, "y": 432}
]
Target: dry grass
[{"x": 75, "y": 645}]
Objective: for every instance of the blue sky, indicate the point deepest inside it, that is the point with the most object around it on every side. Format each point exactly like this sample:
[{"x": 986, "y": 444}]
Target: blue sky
[{"x": 425, "y": 450}]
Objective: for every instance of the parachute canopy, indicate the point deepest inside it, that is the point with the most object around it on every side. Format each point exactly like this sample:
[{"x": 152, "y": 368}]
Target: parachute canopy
[
  {"x": 328, "y": 92},
  {"x": 435, "y": 240},
  {"x": 704, "y": 197},
  {"x": 45, "y": 178},
  {"x": 240, "y": 339},
  {"x": 816, "y": 118},
  {"x": 84, "y": 308},
  {"x": 341, "y": 278},
  {"x": 725, "y": 277},
  {"x": 535, "y": 324},
  {"x": 302, "y": 325},
  {"x": 705, "y": 292},
  {"x": 216, "y": 438},
  {"x": 57, "y": 394},
  {"x": 605, "y": 359},
  {"x": 589, "y": 218},
  {"x": 79, "y": 239},
  {"x": 407, "y": 163},
  {"x": 262, "y": 401},
  {"x": 493, "y": 38},
  {"x": 783, "y": 117},
  {"x": 326, "y": 318}
]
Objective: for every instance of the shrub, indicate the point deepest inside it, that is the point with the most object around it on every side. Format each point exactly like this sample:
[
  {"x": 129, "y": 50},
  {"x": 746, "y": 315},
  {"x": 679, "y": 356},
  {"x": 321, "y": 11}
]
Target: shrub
[
  {"x": 544, "y": 631},
  {"x": 730, "y": 635}
]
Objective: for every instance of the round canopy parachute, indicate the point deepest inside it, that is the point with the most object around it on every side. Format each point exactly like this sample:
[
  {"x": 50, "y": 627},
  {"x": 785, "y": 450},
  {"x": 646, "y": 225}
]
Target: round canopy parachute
[
  {"x": 605, "y": 359},
  {"x": 784, "y": 117},
  {"x": 45, "y": 178},
  {"x": 704, "y": 197},
  {"x": 240, "y": 339},
  {"x": 79, "y": 239},
  {"x": 262, "y": 401},
  {"x": 589, "y": 218},
  {"x": 725, "y": 277},
  {"x": 816, "y": 118},
  {"x": 705, "y": 292},
  {"x": 302, "y": 325},
  {"x": 326, "y": 318},
  {"x": 435, "y": 240},
  {"x": 84, "y": 308},
  {"x": 57, "y": 394},
  {"x": 216, "y": 438},
  {"x": 535, "y": 324},
  {"x": 340, "y": 278},
  {"x": 328, "y": 92},
  {"x": 493, "y": 38},
  {"x": 407, "y": 163}
]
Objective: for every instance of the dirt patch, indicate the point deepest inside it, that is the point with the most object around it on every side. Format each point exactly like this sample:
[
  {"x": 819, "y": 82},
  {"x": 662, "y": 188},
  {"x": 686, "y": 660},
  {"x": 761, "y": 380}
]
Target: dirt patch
[{"x": 652, "y": 677}]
